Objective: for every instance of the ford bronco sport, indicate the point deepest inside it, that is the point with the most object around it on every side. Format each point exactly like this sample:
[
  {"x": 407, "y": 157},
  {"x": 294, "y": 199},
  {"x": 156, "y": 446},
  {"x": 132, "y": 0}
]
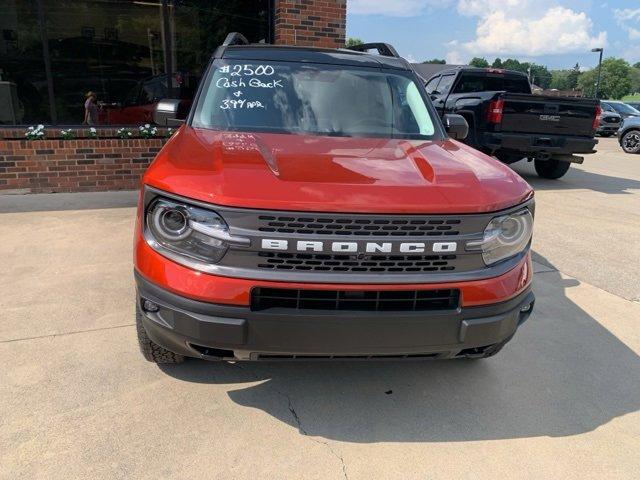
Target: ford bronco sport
[{"x": 314, "y": 206}]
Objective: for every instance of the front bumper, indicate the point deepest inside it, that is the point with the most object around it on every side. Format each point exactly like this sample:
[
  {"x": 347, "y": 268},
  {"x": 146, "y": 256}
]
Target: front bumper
[
  {"x": 212, "y": 331},
  {"x": 613, "y": 128}
]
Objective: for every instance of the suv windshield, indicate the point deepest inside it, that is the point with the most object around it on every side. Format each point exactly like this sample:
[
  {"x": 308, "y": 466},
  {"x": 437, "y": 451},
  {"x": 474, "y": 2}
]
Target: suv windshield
[
  {"x": 624, "y": 108},
  {"x": 284, "y": 97}
]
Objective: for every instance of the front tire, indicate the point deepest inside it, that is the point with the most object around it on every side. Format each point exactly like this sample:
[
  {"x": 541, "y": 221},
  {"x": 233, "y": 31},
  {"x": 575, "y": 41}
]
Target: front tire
[
  {"x": 630, "y": 141},
  {"x": 552, "y": 168},
  {"x": 150, "y": 350}
]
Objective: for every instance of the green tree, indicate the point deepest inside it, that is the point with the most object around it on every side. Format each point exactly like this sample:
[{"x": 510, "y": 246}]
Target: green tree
[
  {"x": 352, "y": 42},
  {"x": 479, "y": 62},
  {"x": 497, "y": 63},
  {"x": 615, "y": 82},
  {"x": 540, "y": 75},
  {"x": 560, "y": 79},
  {"x": 635, "y": 80},
  {"x": 513, "y": 64},
  {"x": 636, "y": 65},
  {"x": 436, "y": 60},
  {"x": 572, "y": 77}
]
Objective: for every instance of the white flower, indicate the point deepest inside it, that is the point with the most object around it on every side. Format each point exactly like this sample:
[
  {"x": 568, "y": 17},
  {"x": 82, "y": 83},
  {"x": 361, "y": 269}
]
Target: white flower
[
  {"x": 40, "y": 126},
  {"x": 146, "y": 125},
  {"x": 92, "y": 130}
]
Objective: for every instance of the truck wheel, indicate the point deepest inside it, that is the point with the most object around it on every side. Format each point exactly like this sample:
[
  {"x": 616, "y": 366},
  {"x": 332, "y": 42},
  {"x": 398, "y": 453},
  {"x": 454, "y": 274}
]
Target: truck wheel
[
  {"x": 150, "y": 350},
  {"x": 630, "y": 141},
  {"x": 551, "y": 168}
]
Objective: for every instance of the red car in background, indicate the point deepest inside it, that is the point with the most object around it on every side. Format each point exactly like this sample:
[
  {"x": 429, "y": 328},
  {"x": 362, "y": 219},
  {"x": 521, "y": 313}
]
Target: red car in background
[{"x": 139, "y": 104}]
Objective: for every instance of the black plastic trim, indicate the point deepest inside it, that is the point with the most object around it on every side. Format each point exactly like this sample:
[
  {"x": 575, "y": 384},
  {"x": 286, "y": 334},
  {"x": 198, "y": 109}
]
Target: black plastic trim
[{"x": 182, "y": 323}]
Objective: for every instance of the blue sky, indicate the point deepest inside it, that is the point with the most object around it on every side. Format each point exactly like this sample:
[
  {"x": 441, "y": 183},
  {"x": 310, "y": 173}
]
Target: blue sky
[{"x": 554, "y": 33}]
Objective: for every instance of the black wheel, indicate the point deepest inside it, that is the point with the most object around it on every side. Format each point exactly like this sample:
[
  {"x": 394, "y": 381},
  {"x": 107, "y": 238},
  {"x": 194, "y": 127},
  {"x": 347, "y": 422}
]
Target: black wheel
[
  {"x": 630, "y": 141},
  {"x": 551, "y": 168},
  {"x": 150, "y": 350}
]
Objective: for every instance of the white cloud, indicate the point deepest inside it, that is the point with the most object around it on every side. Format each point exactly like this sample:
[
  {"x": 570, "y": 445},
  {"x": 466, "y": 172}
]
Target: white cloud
[
  {"x": 455, "y": 58},
  {"x": 526, "y": 27},
  {"x": 393, "y": 8},
  {"x": 626, "y": 16}
]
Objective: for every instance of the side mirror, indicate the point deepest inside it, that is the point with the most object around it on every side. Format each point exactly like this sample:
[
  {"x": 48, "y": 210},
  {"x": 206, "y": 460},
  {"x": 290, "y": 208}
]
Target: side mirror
[
  {"x": 167, "y": 113},
  {"x": 456, "y": 126}
]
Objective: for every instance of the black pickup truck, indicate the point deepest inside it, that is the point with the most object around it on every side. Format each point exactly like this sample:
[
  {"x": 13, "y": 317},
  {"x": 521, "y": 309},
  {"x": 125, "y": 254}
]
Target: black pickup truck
[{"x": 506, "y": 120}]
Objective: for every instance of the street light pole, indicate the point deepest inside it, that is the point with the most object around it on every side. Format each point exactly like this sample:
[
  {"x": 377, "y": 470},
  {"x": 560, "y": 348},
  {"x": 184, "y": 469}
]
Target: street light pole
[{"x": 599, "y": 69}]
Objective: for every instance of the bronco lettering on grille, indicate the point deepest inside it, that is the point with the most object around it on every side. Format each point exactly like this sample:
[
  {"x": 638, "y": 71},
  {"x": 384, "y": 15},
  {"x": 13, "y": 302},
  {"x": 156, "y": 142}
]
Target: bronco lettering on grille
[{"x": 358, "y": 247}]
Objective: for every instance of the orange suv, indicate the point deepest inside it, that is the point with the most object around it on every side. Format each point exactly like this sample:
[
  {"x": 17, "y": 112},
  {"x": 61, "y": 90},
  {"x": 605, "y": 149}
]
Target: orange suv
[{"x": 313, "y": 205}]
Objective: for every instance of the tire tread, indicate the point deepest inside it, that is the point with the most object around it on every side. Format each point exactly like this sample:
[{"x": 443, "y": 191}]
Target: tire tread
[{"x": 150, "y": 350}]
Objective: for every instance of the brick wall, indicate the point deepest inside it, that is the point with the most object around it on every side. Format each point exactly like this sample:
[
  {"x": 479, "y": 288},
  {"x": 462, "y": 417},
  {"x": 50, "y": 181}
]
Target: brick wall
[
  {"x": 319, "y": 23},
  {"x": 43, "y": 166}
]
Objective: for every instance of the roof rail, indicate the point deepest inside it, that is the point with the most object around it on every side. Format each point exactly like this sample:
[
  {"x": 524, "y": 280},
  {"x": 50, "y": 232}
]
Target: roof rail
[
  {"x": 235, "y": 38},
  {"x": 383, "y": 49}
]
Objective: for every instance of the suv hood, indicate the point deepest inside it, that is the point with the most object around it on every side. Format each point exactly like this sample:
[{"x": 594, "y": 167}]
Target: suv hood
[{"x": 333, "y": 174}]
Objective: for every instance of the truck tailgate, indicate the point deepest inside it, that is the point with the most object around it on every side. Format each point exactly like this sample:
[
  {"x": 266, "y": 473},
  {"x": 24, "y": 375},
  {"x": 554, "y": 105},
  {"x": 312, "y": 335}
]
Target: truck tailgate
[{"x": 548, "y": 115}]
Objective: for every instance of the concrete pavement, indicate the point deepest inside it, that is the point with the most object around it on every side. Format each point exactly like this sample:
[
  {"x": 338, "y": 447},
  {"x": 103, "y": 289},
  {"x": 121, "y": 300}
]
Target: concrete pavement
[{"x": 561, "y": 401}]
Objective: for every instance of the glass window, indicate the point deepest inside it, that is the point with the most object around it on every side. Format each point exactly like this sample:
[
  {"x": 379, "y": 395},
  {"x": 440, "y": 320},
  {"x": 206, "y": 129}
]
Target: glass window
[
  {"x": 431, "y": 85},
  {"x": 623, "y": 108},
  {"x": 128, "y": 54},
  {"x": 445, "y": 84},
  {"x": 313, "y": 99},
  {"x": 24, "y": 98},
  {"x": 489, "y": 82}
]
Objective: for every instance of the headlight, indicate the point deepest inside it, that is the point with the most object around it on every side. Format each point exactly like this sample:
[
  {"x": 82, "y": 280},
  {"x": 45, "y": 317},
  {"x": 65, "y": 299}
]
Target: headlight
[
  {"x": 187, "y": 230},
  {"x": 504, "y": 237}
]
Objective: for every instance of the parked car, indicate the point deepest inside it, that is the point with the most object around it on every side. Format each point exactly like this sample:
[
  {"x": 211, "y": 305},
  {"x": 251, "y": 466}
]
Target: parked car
[
  {"x": 507, "y": 121},
  {"x": 629, "y": 135},
  {"x": 140, "y": 102},
  {"x": 610, "y": 121},
  {"x": 620, "y": 108},
  {"x": 635, "y": 105},
  {"x": 314, "y": 206}
]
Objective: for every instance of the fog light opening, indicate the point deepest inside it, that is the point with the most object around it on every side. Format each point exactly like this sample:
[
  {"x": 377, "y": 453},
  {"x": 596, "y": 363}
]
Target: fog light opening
[
  {"x": 149, "y": 306},
  {"x": 526, "y": 308}
]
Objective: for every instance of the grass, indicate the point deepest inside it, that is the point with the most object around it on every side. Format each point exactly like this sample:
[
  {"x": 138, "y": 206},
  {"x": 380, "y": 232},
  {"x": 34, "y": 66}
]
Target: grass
[{"x": 631, "y": 98}]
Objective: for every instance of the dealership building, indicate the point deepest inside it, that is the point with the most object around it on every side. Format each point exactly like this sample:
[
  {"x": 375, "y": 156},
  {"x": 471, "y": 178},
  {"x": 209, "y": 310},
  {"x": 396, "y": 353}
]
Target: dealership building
[{"x": 128, "y": 54}]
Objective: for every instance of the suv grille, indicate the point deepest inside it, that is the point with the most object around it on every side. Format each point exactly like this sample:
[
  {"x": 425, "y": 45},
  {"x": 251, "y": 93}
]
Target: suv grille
[
  {"x": 309, "y": 225},
  {"x": 353, "y": 263},
  {"x": 612, "y": 119},
  {"x": 355, "y": 300}
]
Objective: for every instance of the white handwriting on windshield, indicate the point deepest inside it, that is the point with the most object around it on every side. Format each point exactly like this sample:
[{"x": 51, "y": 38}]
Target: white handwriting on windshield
[
  {"x": 230, "y": 104},
  {"x": 254, "y": 82},
  {"x": 245, "y": 76}
]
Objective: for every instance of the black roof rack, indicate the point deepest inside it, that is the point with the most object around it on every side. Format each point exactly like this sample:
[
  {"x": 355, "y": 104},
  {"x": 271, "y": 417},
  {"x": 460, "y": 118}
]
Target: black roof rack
[
  {"x": 235, "y": 38},
  {"x": 383, "y": 49}
]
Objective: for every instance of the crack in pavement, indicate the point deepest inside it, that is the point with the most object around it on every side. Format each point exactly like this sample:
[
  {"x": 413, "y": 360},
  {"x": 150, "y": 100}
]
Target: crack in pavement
[
  {"x": 297, "y": 420},
  {"x": 62, "y": 334}
]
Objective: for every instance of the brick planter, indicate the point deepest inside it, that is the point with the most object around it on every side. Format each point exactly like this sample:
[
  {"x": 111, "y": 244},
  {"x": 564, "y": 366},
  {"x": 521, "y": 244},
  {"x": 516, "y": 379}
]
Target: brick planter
[{"x": 44, "y": 166}]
